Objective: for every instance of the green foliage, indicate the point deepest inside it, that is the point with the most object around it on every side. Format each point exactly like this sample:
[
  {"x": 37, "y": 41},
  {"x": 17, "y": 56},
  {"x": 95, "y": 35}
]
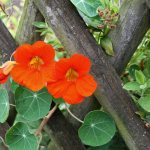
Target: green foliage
[
  {"x": 4, "y": 105},
  {"x": 144, "y": 102},
  {"x": 32, "y": 105},
  {"x": 116, "y": 143},
  {"x": 137, "y": 81},
  {"x": 18, "y": 137},
  {"x": 32, "y": 125},
  {"x": 58, "y": 100},
  {"x": 107, "y": 45},
  {"x": 98, "y": 128},
  {"x": 103, "y": 16},
  {"x": 92, "y": 21},
  {"x": 139, "y": 76},
  {"x": 133, "y": 86},
  {"x": 39, "y": 24},
  {"x": 88, "y": 7},
  {"x": 14, "y": 85},
  {"x": 43, "y": 28}
]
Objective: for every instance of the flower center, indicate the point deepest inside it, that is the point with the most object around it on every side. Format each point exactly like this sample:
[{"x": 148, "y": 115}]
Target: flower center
[
  {"x": 36, "y": 62},
  {"x": 71, "y": 75}
]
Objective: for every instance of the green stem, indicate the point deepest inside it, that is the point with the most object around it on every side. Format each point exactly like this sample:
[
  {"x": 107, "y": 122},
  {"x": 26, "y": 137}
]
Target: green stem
[{"x": 73, "y": 114}]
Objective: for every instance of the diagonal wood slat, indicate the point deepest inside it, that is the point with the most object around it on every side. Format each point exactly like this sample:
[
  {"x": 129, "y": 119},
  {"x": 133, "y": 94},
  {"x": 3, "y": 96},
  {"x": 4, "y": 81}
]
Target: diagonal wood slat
[
  {"x": 7, "y": 43},
  {"x": 148, "y": 3},
  {"x": 133, "y": 23}
]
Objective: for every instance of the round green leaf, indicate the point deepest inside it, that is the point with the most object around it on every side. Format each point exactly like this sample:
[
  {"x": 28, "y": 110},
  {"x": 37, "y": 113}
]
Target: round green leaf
[
  {"x": 4, "y": 105},
  {"x": 144, "y": 102},
  {"x": 19, "y": 138},
  {"x": 32, "y": 105},
  {"x": 32, "y": 125},
  {"x": 98, "y": 129}
]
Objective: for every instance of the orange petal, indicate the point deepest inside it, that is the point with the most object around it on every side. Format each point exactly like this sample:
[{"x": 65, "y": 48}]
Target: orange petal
[
  {"x": 58, "y": 88},
  {"x": 44, "y": 51},
  {"x": 86, "y": 85},
  {"x": 80, "y": 63},
  {"x": 23, "y": 54},
  {"x": 18, "y": 73},
  {"x": 71, "y": 96},
  {"x": 62, "y": 67},
  {"x": 34, "y": 80},
  {"x": 30, "y": 78},
  {"x": 48, "y": 72}
]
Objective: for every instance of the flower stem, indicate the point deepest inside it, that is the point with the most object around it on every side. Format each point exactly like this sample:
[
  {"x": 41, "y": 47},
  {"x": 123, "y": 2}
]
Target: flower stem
[
  {"x": 3, "y": 142},
  {"x": 45, "y": 120},
  {"x": 12, "y": 56},
  {"x": 73, "y": 114},
  {"x": 12, "y": 105}
]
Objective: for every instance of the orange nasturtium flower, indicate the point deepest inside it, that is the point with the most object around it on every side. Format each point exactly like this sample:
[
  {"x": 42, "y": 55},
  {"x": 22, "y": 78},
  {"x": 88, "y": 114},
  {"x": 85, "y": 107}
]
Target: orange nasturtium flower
[
  {"x": 72, "y": 79},
  {"x": 34, "y": 66},
  {"x": 5, "y": 69}
]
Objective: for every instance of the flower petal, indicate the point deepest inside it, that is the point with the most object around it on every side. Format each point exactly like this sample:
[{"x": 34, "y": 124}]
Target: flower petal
[
  {"x": 29, "y": 78},
  {"x": 44, "y": 51},
  {"x": 48, "y": 72},
  {"x": 86, "y": 85},
  {"x": 18, "y": 73},
  {"x": 23, "y": 54},
  {"x": 71, "y": 96},
  {"x": 80, "y": 63},
  {"x": 58, "y": 88},
  {"x": 34, "y": 80},
  {"x": 3, "y": 77},
  {"x": 62, "y": 67}
]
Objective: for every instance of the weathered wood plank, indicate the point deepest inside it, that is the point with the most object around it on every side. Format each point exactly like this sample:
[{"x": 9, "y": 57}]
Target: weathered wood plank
[
  {"x": 7, "y": 43},
  {"x": 133, "y": 24},
  {"x": 63, "y": 133},
  {"x": 73, "y": 34},
  {"x": 148, "y": 3},
  {"x": 26, "y": 31}
]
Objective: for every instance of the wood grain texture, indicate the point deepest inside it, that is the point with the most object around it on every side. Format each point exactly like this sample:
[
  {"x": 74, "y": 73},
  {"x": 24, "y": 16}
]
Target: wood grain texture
[
  {"x": 3, "y": 129},
  {"x": 133, "y": 24},
  {"x": 63, "y": 134},
  {"x": 72, "y": 32},
  {"x": 7, "y": 43},
  {"x": 148, "y": 3},
  {"x": 26, "y": 31}
]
